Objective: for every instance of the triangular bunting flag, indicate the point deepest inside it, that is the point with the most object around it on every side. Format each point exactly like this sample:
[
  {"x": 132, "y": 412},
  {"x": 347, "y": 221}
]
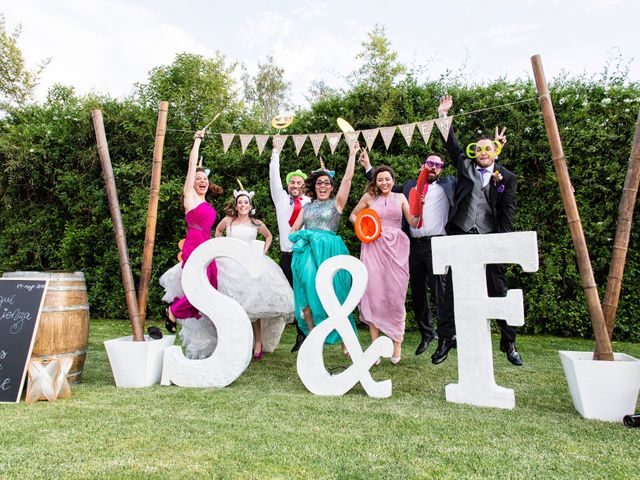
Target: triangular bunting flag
[
  {"x": 261, "y": 141},
  {"x": 425, "y": 129},
  {"x": 316, "y": 141},
  {"x": 227, "y": 138},
  {"x": 333, "y": 139},
  {"x": 444, "y": 125},
  {"x": 407, "y": 131},
  {"x": 245, "y": 140},
  {"x": 278, "y": 141},
  {"x": 298, "y": 141},
  {"x": 351, "y": 137},
  {"x": 387, "y": 135},
  {"x": 370, "y": 136}
]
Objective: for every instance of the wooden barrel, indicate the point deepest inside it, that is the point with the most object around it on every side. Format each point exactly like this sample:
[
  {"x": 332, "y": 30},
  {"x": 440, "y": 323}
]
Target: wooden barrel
[{"x": 64, "y": 323}]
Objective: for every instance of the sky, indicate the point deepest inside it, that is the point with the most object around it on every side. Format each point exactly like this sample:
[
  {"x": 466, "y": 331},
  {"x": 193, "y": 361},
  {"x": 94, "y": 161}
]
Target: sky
[{"x": 106, "y": 47}]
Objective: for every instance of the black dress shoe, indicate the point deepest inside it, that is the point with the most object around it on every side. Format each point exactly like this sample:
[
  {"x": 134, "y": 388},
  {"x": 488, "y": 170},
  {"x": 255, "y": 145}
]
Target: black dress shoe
[
  {"x": 423, "y": 345},
  {"x": 299, "y": 339},
  {"x": 512, "y": 354},
  {"x": 444, "y": 346}
]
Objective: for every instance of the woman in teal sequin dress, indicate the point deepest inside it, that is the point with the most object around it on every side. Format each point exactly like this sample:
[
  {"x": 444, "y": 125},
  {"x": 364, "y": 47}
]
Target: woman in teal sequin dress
[{"x": 318, "y": 242}]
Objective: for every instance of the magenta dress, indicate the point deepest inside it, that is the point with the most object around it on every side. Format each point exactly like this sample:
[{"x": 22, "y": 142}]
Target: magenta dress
[
  {"x": 199, "y": 222},
  {"x": 387, "y": 262}
]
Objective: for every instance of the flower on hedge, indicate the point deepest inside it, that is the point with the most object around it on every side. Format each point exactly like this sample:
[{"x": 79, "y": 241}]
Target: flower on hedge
[
  {"x": 562, "y": 100},
  {"x": 606, "y": 101}
]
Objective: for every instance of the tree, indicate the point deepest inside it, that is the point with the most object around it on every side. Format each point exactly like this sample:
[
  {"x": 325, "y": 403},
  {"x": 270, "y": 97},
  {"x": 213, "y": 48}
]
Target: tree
[
  {"x": 196, "y": 87},
  {"x": 16, "y": 82},
  {"x": 267, "y": 93},
  {"x": 319, "y": 90},
  {"x": 380, "y": 69},
  {"x": 376, "y": 79}
]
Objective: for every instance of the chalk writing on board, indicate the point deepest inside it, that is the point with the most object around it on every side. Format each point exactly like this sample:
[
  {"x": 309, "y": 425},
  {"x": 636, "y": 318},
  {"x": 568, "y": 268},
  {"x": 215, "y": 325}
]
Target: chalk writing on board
[{"x": 16, "y": 317}]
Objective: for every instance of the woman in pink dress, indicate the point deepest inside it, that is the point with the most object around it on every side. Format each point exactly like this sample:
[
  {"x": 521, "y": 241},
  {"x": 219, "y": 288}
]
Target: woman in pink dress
[
  {"x": 387, "y": 260},
  {"x": 200, "y": 217}
]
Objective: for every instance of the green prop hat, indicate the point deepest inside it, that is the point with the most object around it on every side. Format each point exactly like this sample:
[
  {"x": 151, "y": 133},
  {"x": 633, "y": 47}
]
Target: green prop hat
[{"x": 297, "y": 173}]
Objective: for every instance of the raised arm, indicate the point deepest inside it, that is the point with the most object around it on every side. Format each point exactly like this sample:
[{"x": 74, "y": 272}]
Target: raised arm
[
  {"x": 366, "y": 164},
  {"x": 264, "y": 231},
  {"x": 453, "y": 147},
  {"x": 345, "y": 186},
  {"x": 362, "y": 204},
  {"x": 275, "y": 182},
  {"x": 188, "y": 191}
]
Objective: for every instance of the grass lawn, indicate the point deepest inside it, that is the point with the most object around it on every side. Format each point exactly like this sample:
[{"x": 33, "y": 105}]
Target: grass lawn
[{"x": 267, "y": 425}]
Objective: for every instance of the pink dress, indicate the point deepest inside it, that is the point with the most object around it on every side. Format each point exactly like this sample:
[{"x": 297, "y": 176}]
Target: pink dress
[
  {"x": 199, "y": 221},
  {"x": 387, "y": 262}
]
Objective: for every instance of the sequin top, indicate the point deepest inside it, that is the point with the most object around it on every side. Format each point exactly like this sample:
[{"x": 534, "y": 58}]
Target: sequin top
[{"x": 322, "y": 215}]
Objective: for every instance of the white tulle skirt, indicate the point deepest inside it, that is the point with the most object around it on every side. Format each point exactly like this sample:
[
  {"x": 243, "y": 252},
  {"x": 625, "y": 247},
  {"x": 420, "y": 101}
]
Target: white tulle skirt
[
  {"x": 198, "y": 335},
  {"x": 268, "y": 298}
]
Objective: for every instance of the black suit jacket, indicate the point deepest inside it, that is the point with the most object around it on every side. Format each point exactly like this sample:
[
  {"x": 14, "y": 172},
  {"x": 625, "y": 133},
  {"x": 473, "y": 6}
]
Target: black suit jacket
[
  {"x": 447, "y": 183},
  {"x": 502, "y": 194}
]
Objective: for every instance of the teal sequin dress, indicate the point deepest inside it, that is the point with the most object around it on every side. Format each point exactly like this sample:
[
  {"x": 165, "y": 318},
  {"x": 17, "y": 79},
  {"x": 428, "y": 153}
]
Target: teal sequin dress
[{"x": 312, "y": 246}]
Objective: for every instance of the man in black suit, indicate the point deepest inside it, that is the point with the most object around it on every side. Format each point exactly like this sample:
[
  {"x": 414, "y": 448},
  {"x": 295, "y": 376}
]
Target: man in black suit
[
  {"x": 485, "y": 202},
  {"x": 438, "y": 199}
]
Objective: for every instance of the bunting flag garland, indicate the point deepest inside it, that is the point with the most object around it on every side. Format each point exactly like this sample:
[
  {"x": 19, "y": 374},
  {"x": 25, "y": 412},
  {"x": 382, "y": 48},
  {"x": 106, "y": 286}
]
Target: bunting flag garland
[
  {"x": 351, "y": 138},
  {"x": 261, "y": 141},
  {"x": 333, "y": 139},
  {"x": 387, "y": 134},
  {"x": 444, "y": 125},
  {"x": 245, "y": 140},
  {"x": 278, "y": 141},
  {"x": 227, "y": 138},
  {"x": 316, "y": 141},
  {"x": 370, "y": 136},
  {"x": 425, "y": 129},
  {"x": 298, "y": 141},
  {"x": 407, "y": 131}
]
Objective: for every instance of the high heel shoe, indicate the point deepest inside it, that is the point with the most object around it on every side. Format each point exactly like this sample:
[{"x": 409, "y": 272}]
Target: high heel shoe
[
  {"x": 170, "y": 325},
  {"x": 395, "y": 360},
  {"x": 258, "y": 356}
]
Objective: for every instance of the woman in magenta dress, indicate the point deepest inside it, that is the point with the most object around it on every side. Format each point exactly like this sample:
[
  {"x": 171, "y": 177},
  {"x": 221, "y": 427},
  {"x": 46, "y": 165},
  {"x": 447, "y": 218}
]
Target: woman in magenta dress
[
  {"x": 387, "y": 260},
  {"x": 200, "y": 217}
]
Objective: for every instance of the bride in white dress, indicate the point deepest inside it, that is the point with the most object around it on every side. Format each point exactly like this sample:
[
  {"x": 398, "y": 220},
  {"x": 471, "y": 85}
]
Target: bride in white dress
[{"x": 268, "y": 299}]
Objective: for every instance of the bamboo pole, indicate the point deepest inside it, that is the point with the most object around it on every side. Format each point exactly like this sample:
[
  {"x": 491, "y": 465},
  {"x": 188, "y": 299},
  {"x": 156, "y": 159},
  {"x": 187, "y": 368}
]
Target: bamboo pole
[
  {"x": 121, "y": 241},
  {"x": 623, "y": 232},
  {"x": 603, "y": 344},
  {"x": 152, "y": 212}
]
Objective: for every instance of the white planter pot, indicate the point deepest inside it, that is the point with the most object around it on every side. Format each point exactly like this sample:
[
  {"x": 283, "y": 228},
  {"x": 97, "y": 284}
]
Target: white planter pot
[
  {"x": 137, "y": 364},
  {"x": 602, "y": 390}
]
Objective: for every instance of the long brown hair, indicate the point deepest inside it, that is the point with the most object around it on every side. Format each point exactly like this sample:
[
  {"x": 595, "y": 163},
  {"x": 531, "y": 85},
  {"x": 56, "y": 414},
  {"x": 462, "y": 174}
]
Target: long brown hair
[
  {"x": 214, "y": 191},
  {"x": 372, "y": 186},
  {"x": 231, "y": 210}
]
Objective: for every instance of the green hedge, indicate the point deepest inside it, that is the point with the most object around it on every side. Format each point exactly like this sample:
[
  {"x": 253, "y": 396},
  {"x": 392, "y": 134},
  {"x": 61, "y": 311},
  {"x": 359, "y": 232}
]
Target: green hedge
[{"x": 55, "y": 213}]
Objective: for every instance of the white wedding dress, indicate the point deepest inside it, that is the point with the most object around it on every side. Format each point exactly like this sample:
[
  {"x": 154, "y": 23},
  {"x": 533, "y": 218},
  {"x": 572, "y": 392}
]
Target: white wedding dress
[{"x": 268, "y": 298}]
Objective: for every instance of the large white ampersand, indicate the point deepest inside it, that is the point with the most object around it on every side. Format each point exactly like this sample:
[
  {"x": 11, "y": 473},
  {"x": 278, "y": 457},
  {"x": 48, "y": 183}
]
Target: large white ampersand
[
  {"x": 235, "y": 337},
  {"x": 311, "y": 369}
]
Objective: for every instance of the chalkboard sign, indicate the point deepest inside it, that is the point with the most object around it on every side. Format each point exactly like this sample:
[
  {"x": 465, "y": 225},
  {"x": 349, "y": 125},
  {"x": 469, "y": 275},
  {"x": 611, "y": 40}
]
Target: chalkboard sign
[{"x": 21, "y": 302}]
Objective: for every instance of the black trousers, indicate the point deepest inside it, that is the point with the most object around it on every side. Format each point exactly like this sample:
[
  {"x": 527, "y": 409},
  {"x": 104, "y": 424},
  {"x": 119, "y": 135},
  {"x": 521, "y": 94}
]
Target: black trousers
[
  {"x": 423, "y": 281},
  {"x": 496, "y": 287},
  {"x": 285, "y": 265}
]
